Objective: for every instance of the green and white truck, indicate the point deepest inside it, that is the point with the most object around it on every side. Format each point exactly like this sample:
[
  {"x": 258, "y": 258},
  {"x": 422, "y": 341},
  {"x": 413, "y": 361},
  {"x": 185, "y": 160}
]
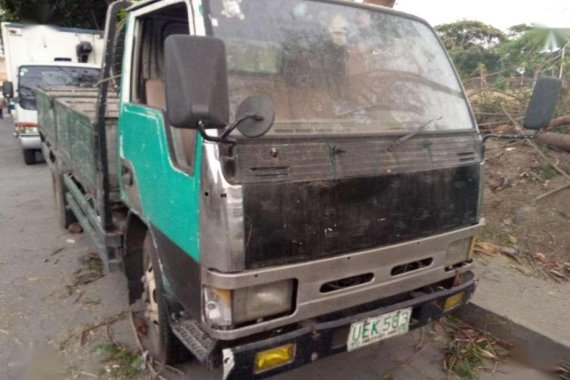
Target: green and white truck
[{"x": 280, "y": 180}]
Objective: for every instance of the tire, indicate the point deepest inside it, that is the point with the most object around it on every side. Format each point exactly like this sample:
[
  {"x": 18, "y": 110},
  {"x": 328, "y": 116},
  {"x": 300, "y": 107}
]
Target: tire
[
  {"x": 29, "y": 156},
  {"x": 160, "y": 341},
  {"x": 65, "y": 216}
]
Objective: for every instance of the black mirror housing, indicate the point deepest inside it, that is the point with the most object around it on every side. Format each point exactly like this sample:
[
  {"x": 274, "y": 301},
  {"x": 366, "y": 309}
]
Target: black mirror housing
[
  {"x": 542, "y": 103},
  {"x": 8, "y": 89},
  {"x": 196, "y": 82}
]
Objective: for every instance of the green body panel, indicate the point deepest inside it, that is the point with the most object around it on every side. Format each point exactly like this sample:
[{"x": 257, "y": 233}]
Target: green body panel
[
  {"x": 76, "y": 137},
  {"x": 169, "y": 196},
  {"x": 67, "y": 121},
  {"x": 46, "y": 117},
  {"x": 45, "y": 99}
]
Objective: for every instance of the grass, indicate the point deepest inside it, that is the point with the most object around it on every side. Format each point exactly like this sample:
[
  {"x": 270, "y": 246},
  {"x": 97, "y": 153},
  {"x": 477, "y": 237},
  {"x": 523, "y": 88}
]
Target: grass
[
  {"x": 547, "y": 172},
  {"x": 93, "y": 272},
  {"x": 121, "y": 362},
  {"x": 470, "y": 350}
]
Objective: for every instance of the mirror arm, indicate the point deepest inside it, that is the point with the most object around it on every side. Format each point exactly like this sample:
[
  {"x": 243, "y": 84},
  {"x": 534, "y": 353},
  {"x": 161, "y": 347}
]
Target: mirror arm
[
  {"x": 224, "y": 137},
  {"x": 207, "y": 137},
  {"x": 240, "y": 120},
  {"x": 507, "y": 137}
]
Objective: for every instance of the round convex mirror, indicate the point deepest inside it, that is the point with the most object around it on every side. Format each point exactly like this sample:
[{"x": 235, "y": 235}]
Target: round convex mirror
[{"x": 264, "y": 111}]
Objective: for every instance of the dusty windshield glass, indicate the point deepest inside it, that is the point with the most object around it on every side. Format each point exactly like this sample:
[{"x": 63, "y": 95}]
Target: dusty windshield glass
[
  {"x": 32, "y": 77},
  {"x": 330, "y": 68}
]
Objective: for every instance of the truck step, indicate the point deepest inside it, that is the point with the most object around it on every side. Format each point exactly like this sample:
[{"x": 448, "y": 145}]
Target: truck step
[{"x": 194, "y": 338}]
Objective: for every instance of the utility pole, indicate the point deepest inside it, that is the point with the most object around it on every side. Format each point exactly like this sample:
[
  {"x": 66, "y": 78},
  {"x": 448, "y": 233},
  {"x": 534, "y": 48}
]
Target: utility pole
[{"x": 562, "y": 60}]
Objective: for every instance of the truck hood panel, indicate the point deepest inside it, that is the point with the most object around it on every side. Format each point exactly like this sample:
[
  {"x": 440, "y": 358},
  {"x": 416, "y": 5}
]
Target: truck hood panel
[{"x": 287, "y": 222}]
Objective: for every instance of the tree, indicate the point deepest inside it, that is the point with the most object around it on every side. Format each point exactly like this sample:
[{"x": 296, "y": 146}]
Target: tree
[
  {"x": 528, "y": 48},
  {"x": 70, "y": 13},
  {"x": 472, "y": 44}
]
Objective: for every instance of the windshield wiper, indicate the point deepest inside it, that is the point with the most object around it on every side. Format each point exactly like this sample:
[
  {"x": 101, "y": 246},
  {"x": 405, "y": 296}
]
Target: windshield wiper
[{"x": 394, "y": 144}]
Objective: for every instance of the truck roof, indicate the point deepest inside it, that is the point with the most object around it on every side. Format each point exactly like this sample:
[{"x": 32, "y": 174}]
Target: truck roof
[
  {"x": 357, "y": 3},
  {"x": 61, "y": 64},
  {"x": 10, "y": 24}
]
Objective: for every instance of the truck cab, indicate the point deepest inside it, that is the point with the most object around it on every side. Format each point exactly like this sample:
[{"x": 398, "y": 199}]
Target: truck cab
[
  {"x": 34, "y": 75},
  {"x": 41, "y": 55},
  {"x": 363, "y": 195},
  {"x": 279, "y": 180}
]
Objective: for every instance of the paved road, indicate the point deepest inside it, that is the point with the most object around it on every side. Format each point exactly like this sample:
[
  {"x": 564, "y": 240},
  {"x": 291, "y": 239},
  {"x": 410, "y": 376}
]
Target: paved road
[{"x": 42, "y": 315}]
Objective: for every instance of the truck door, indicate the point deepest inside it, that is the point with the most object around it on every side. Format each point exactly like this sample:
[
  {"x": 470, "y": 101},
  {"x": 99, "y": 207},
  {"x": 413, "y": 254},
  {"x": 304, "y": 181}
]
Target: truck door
[{"x": 160, "y": 165}]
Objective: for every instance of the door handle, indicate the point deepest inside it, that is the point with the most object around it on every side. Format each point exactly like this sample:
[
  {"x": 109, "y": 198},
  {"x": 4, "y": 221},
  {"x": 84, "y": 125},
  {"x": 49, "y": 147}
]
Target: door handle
[{"x": 127, "y": 175}]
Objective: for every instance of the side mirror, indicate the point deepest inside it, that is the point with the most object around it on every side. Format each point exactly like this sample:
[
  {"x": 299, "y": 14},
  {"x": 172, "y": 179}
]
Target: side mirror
[
  {"x": 8, "y": 89},
  {"x": 542, "y": 103},
  {"x": 196, "y": 82},
  {"x": 262, "y": 113}
]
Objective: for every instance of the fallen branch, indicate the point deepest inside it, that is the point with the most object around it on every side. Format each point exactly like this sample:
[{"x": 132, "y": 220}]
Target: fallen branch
[
  {"x": 552, "y": 192},
  {"x": 533, "y": 145},
  {"x": 559, "y": 122},
  {"x": 557, "y": 140},
  {"x": 83, "y": 333}
]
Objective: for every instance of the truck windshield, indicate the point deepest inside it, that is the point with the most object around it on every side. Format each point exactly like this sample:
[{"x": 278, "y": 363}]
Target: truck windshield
[
  {"x": 338, "y": 69},
  {"x": 32, "y": 77}
]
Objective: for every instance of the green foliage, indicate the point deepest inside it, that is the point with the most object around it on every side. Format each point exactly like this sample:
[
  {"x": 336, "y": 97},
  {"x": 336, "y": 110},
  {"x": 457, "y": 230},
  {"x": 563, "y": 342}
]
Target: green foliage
[
  {"x": 502, "y": 83},
  {"x": 470, "y": 350},
  {"x": 526, "y": 49},
  {"x": 469, "y": 34},
  {"x": 70, "y": 13},
  {"x": 472, "y": 44},
  {"x": 123, "y": 362}
]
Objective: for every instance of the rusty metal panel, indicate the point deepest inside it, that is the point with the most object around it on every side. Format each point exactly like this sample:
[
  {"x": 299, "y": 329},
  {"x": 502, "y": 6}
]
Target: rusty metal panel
[
  {"x": 69, "y": 115},
  {"x": 288, "y": 222},
  {"x": 353, "y": 157}
]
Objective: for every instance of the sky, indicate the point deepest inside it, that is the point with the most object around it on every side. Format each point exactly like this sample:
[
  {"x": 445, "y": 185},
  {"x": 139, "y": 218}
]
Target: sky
[{"x": 499, "y": 13}]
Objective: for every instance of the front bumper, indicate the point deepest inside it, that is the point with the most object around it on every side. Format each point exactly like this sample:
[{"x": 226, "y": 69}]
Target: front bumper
[
  {"x": 329, "y": 337},
  {"x": 311, "y": 302},
  {"x": 30, "y": 141}
]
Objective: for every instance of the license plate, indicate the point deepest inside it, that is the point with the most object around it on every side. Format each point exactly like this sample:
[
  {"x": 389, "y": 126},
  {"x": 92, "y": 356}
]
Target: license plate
[{"x": 375, "y": 329}]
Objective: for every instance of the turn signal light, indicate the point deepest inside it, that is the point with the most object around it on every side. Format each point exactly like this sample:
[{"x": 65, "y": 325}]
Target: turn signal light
[{"x": 453, "y": 301}]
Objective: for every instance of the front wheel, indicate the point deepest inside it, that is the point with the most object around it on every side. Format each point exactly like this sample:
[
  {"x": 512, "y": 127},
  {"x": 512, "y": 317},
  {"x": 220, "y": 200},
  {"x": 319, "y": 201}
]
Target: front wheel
[
  {"x": 30, "y": 156},
  {"x": 161, "y": 342}
]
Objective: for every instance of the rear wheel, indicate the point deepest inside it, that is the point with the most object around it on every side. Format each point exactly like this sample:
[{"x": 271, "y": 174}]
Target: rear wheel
[
  {"x": 65, "y": 216},
  {"x": 160, "y": 341},
  {"x": 29, "y": 156}
]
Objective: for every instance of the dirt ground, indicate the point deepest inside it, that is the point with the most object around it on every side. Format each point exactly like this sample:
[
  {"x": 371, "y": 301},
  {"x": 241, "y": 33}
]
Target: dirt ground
[
  {"x": 62, "y": 318},
  {"x": 533, "y": 233}
]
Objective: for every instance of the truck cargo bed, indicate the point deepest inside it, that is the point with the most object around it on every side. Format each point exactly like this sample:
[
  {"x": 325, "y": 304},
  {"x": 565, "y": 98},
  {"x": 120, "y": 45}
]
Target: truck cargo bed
[
  {"x": 73, "y": 149},
  {"x": 67, "y": 121}
]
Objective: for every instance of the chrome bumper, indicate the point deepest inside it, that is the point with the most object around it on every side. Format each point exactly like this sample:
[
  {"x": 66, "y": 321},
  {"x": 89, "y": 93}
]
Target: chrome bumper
[
  {"x": 310, "y": 276},
  {"x": 30, "y": 141}
]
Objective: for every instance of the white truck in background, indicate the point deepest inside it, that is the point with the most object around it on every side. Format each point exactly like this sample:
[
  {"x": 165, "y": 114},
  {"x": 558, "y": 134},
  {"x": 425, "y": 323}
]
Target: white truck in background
[{"x": 41, "y": 55}]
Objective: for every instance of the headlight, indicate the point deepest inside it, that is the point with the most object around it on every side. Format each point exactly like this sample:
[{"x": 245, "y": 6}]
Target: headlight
[
  {"x": 459, "y": 251},
  {"x": 231, "y": 307},
  {"x": 27, "y": 128}
]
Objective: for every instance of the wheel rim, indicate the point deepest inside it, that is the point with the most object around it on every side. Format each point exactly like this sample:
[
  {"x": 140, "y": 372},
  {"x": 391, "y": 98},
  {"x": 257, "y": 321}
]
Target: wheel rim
[
  {"x": 151, "y": 309},
  {"x": 151, "y": 312}
]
